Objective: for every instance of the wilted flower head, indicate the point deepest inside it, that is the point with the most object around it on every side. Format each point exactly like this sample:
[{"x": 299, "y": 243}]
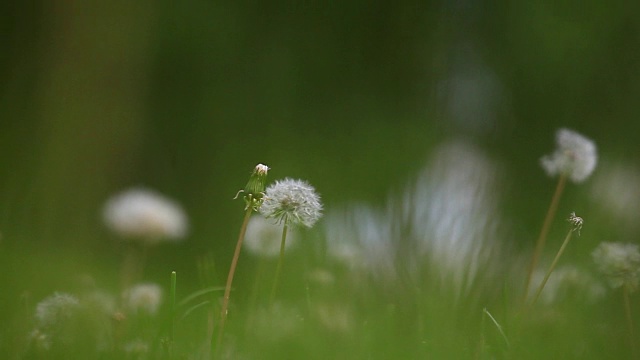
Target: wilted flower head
[
  {"x": 293, "y": 202},
  {"x": 143, "y": 298},
  {"x": 263, "y": 237},
  {"x": 619, "y": 262},
  {"x": 575, "y": 156},
  {"x": 576, "y": 221},
  {"x": 144, "y": 214}
]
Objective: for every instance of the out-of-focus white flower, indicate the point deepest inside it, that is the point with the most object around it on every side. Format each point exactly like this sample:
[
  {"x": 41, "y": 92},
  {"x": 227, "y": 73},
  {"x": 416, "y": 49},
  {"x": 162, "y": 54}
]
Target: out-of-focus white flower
[
  {"x": 55, "y": 310},
  {"x": 619, "y": 262},
  {"x": 54, "y": 320},
  {"x": 263, "y": 237},
  {"x": 616, "y": 188},
  {"x": 145, "y": 215},
  {"x": 569, "y": 281},
  {"x": 575, "y": 156},
  {"x": 143, "y": 298},
  {"x": 448, "y": 218},
  {"x": 292, "y": 202}
]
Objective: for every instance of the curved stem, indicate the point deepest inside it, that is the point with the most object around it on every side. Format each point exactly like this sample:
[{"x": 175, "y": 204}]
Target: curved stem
[
  {"x": 542, "y": 238},
  {"x": 552, "y": 267},
  {"x": 232, "y": 270}
]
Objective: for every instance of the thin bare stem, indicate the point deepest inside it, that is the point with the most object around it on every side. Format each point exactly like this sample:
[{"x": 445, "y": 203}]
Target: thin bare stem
[
  {"x": 627, "y": 308},
  {"x": 232, "y": 270},
  {"x": 552, "y": 267},
  {"x": 280, "y": 261},
  {"x": 172, "y": 313},
  {"x": 542, "y": 238},
  {"x": 495, "y": 322}
]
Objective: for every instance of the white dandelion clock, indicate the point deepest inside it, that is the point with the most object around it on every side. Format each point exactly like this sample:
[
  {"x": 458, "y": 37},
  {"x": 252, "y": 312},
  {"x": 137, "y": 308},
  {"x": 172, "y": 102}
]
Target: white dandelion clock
[
  {"x": 143, "y": 298},
  {"x": 575, "y": 156},
  {"x": 145, "y": 215},
  {"x": 619, "y": 262},
  {"x": 292, "y": 202}
]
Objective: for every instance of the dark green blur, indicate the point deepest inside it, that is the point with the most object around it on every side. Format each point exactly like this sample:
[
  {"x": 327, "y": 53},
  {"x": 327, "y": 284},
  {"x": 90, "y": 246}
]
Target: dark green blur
[{"x": 187, "y": 97}]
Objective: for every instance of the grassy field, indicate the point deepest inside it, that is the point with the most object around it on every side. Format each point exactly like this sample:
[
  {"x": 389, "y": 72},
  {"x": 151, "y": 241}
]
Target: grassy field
[{"x": 431, "y": 273}]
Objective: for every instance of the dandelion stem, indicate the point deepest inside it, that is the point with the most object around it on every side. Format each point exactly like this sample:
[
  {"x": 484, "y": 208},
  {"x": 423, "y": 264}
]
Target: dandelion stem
[
  {"x": 627, "y": 308},
  {"x": 280, "y": 261},
  {"x": 232, "y": 270},
  {"x": 172, "y": 299},
  {"x": 542, "y": 238},
  {"x": 552, "y": 267}
]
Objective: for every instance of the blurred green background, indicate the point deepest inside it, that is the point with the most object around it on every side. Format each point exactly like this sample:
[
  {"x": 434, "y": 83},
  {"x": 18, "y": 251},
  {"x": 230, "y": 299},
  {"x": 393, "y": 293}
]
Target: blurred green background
[{"x": 187, "y": 97}]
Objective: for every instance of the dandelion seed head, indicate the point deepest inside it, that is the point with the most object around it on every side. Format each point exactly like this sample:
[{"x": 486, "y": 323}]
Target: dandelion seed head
[
  {"x": 145, "y": 215},
  {"x": 143, "y": 298},
  {"x": 619, "y": 262},
  {"x": 55, "y": 310},
  {"x": 292, "y": 202},
  {"x": 575, "y": 156}
]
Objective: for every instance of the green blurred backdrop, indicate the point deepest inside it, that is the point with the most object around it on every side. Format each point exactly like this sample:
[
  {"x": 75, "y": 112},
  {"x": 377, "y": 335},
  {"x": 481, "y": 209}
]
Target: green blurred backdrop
[{"x": 187, "y": 97}]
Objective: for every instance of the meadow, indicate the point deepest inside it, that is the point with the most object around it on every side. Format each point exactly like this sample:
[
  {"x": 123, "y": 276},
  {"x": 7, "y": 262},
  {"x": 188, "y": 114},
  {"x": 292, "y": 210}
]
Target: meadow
[{"x": 430, "y": 274}]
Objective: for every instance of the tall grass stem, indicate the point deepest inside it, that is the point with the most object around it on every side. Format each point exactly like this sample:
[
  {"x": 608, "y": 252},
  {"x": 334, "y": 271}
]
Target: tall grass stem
[
  {"x": 552, "y": 267},
  {"x": 542, "y": 238}
]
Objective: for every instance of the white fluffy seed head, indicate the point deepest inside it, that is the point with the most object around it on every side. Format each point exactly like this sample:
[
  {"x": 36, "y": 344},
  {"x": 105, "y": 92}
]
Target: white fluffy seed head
[
  {"x": 145, "y": 215},
  {"x": 575, "y": 156},
  {"x": 619, "y": 262},
  {"x": 143, "y": 298},
  {"x": 292, "y": 202},
  {"x": 55, "y": 310}
]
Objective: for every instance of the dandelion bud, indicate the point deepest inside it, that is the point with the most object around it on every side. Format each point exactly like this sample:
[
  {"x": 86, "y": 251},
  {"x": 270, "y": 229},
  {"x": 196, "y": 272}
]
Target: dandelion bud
[
  {"x": 575, "y": 156},
  {"x": 257, "y": 181},
  {"x": 292, "y": 202}
]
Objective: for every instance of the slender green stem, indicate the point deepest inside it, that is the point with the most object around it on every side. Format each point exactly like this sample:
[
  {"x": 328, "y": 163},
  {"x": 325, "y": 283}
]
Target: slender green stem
[
  {"x": 495, "y": 322},
  {"x": 542, "y": 238},
  {"x": 280, "y": 261},
  {"x": 627, "y": 308},
  {"x": 552, "y": 267},
  {"x": 232, "y": 270},
  {"x": 172, "y": 299}
]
